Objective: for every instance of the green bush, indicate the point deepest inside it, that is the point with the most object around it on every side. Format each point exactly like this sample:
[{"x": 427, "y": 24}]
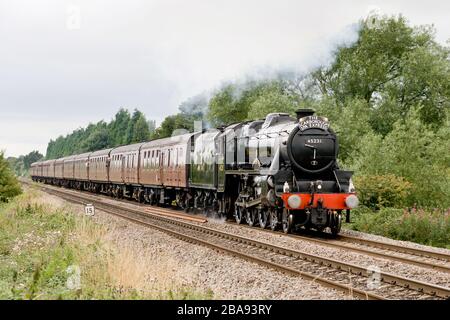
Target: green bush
[
  {"x": 429, "y": 227},
  {"x": 376, "y": 191},
  {"x": 9, "y": 186},
  {"x": 413, "y": 151}
]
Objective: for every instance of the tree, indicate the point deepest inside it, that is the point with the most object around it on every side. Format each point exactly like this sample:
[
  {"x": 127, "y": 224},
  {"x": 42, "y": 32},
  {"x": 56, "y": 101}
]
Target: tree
[
  {"x": 141, "y": 131},
  {"x": 97, "y": 140},
  {"x": 22, "y": 164},
  {"x": 30, "y": 158},
  {"x": 119, "y": 126},
  {"x": 414, "y": 151},
  {"x": 393, "y": 67},
  {"x": 271, "y": 97},
  {"x": 137, "y": 130},
  {"x": 251, "y": 100},
  {"x": 9, "y": 186},
  {"x": 226, "y": 107},
  {"x": 151, "y": 126},
  {"x": 175, "y": 124}
]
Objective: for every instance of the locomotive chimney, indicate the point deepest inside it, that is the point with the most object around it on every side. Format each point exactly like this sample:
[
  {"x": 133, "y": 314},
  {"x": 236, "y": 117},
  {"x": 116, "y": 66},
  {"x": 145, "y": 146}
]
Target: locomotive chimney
[{"x": 304, "y": 113}]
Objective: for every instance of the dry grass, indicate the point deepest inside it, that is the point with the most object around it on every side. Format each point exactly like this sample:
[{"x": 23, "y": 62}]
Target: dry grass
[{"x": 110, "y": 269}]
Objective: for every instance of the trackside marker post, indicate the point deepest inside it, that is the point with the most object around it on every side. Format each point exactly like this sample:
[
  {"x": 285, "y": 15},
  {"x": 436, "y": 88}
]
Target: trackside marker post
[{"x": 89, "y": 210}]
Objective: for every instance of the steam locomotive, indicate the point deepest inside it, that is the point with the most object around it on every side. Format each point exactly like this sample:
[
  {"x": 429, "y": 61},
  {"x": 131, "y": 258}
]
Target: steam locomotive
[{"x": 279, "y": 172}]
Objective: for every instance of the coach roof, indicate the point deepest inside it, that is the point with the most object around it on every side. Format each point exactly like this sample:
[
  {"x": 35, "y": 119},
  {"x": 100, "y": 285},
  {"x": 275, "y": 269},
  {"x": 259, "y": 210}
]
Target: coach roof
[
  {"x": 100, "y": 153},
  {"x": 183, "y": 138},
  {"x": 128, "y": 148}
]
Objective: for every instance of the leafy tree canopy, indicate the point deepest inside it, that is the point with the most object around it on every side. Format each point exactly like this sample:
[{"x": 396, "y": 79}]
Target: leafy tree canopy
[{"x": 123, "y": 129}]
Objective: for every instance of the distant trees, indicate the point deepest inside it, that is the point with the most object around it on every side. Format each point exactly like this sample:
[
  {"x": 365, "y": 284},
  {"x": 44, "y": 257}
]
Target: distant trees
[
  {"x": 9, "y": 186},
  {"x": 22, "y": 164},
  {"x": 123, "y": 129}
]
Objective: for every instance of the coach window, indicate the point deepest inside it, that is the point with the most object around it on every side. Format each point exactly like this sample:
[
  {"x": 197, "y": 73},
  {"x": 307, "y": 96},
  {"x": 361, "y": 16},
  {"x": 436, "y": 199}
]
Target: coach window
[
  {"x": 176, "y": 159},
  {"x": 150, "y": 159}
]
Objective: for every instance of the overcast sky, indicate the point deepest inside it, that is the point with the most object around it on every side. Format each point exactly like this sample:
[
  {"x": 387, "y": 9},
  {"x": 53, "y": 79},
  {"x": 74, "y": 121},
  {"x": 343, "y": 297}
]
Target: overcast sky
[{"x": 64, "y": 64}]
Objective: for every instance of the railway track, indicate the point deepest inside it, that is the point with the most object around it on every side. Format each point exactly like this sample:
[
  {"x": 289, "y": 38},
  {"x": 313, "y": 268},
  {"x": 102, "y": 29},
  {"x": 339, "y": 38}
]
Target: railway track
[
  {"x": 420, "y": 257},
  {"x": 349, "y": 278},
  {"x": 423, "y": 258}
]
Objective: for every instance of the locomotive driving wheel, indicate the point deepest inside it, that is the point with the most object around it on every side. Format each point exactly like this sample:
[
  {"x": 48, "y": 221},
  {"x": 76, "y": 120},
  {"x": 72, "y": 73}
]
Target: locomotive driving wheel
[
  {"x": 263, "y": 218},
  {"x": 180, "y": 200},
  {"x": 140, "y": 196},
  {"x": 251, "y": 216},
  {"x": 287, "y": 221},
  {"x": 273, "y": 219},
  {"x": 239, "y": 214},
  {"x": 336, "y": 223}
]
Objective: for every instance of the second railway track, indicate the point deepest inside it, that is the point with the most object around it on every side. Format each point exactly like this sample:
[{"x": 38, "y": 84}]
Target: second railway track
[
  {"x": 423, "y": 258},
  {"x": 345, "y": 277}
]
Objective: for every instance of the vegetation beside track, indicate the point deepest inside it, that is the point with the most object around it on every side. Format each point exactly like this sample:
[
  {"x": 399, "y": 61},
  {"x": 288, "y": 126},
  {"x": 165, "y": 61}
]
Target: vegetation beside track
[
  {"x": 48, "y": 252},
  {"x": 9, "y": 186},
  {"x": 429, "y": 227}
]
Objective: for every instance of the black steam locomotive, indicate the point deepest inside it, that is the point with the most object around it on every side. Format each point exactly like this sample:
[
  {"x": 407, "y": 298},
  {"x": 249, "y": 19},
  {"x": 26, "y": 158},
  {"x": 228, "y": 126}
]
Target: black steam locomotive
[
  {"x": 275, "y": 172},
  {"x": 288, "y": 174}
]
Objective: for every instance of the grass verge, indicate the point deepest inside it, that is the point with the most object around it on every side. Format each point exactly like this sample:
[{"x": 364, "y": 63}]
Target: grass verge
[{"x": 48, "y": 252}]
